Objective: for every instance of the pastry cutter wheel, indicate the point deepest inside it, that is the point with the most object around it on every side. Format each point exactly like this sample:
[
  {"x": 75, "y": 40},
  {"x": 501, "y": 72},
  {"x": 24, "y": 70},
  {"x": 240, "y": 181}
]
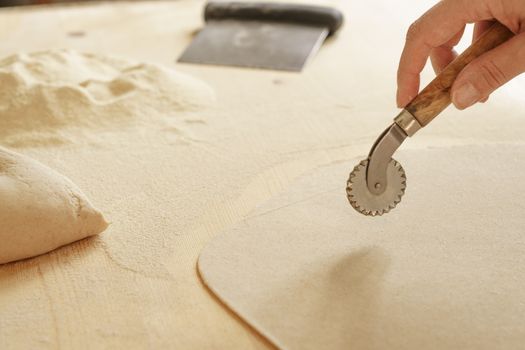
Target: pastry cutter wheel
[{"x": 376, "y": 184}]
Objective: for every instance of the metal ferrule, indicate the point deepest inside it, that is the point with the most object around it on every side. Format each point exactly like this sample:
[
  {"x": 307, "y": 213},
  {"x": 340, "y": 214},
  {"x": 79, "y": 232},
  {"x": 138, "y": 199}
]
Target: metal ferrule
[{"x": 407, "y": 122}]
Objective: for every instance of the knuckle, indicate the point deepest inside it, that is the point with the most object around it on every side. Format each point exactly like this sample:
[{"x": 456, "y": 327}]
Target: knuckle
[
  {"x": 414, "y": 31},
  {"x": 491, "y": 74}
]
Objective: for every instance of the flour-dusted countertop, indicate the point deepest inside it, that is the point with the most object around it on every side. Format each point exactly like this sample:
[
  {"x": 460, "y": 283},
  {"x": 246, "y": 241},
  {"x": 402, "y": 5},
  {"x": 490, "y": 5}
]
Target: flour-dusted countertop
[{"x": 168, "y": 193}]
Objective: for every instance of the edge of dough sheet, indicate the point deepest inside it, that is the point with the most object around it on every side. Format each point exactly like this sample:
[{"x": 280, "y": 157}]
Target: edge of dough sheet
[{"x": 227, "y": 232}]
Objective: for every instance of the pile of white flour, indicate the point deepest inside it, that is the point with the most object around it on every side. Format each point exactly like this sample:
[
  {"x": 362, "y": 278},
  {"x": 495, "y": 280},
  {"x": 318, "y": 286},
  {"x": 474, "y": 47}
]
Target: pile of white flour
[
  {"x": 53, "y": 97},
  {"x": 61, "y": 96}
]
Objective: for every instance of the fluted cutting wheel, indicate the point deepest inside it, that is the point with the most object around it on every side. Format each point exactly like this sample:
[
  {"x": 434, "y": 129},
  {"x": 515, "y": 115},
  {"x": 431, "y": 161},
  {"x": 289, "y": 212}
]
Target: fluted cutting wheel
[{"x": 371, "y": 204}]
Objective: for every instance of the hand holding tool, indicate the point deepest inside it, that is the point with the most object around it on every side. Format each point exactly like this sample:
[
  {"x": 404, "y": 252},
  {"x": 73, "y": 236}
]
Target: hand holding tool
[{"x": 376, "y": 184}]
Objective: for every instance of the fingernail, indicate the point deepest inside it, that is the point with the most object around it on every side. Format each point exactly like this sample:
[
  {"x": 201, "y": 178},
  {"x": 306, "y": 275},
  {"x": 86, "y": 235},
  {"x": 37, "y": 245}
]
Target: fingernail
[
  {"x": 401, "y": 103},
  {"x": 465, "y": 96}
]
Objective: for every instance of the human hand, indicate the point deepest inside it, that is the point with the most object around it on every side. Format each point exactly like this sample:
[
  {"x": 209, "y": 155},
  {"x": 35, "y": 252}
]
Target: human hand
[{"x": 437, "y": 32}]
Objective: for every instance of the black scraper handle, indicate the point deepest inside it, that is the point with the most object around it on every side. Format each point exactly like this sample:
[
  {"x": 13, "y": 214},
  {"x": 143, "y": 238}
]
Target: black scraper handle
[{"x": 321, "y": 16}]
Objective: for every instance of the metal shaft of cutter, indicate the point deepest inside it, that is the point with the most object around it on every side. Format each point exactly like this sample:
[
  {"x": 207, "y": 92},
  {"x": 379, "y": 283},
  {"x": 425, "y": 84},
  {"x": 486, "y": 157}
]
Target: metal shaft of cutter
[{"x": 384, "y": 148}]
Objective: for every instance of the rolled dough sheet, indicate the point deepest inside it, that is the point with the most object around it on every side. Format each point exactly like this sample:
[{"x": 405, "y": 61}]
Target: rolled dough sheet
[{"x": 446, "y": 269}]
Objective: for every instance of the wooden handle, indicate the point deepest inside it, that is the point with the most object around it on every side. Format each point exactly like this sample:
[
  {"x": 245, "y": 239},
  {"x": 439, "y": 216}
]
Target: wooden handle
[{"x": 436, "y": 96}]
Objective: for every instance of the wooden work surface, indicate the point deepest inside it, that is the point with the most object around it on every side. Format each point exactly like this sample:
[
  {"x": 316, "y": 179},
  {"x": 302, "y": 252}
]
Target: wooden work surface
[{"x": 136, "y": 286}]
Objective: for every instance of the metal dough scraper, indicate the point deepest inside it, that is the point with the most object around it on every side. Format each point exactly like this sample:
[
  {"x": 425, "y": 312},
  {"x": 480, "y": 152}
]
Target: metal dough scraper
[{"x": 261, "y": 35}]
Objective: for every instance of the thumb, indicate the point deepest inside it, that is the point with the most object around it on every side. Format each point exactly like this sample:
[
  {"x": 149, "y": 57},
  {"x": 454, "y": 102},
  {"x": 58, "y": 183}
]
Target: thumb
[{"x": 488, "y": 72}]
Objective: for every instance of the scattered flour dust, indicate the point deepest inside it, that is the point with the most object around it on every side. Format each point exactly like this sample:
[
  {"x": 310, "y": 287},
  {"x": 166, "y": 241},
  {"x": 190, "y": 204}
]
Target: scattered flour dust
[
  {"x": 52, "y": 97},
  {"x": 40, "y": 210}
]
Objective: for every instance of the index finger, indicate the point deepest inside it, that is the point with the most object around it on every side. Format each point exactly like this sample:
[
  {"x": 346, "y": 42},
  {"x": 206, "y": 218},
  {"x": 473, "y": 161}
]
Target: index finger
[{"x": 436, "y": 27}]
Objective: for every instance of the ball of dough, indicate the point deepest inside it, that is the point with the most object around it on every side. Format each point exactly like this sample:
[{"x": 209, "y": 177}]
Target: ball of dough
[{"x": 40, "y": 210}]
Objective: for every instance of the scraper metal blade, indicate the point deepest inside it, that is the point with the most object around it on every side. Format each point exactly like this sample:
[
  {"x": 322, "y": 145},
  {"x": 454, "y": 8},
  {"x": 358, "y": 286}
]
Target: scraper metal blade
[{"x": 261, "y": 35}]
